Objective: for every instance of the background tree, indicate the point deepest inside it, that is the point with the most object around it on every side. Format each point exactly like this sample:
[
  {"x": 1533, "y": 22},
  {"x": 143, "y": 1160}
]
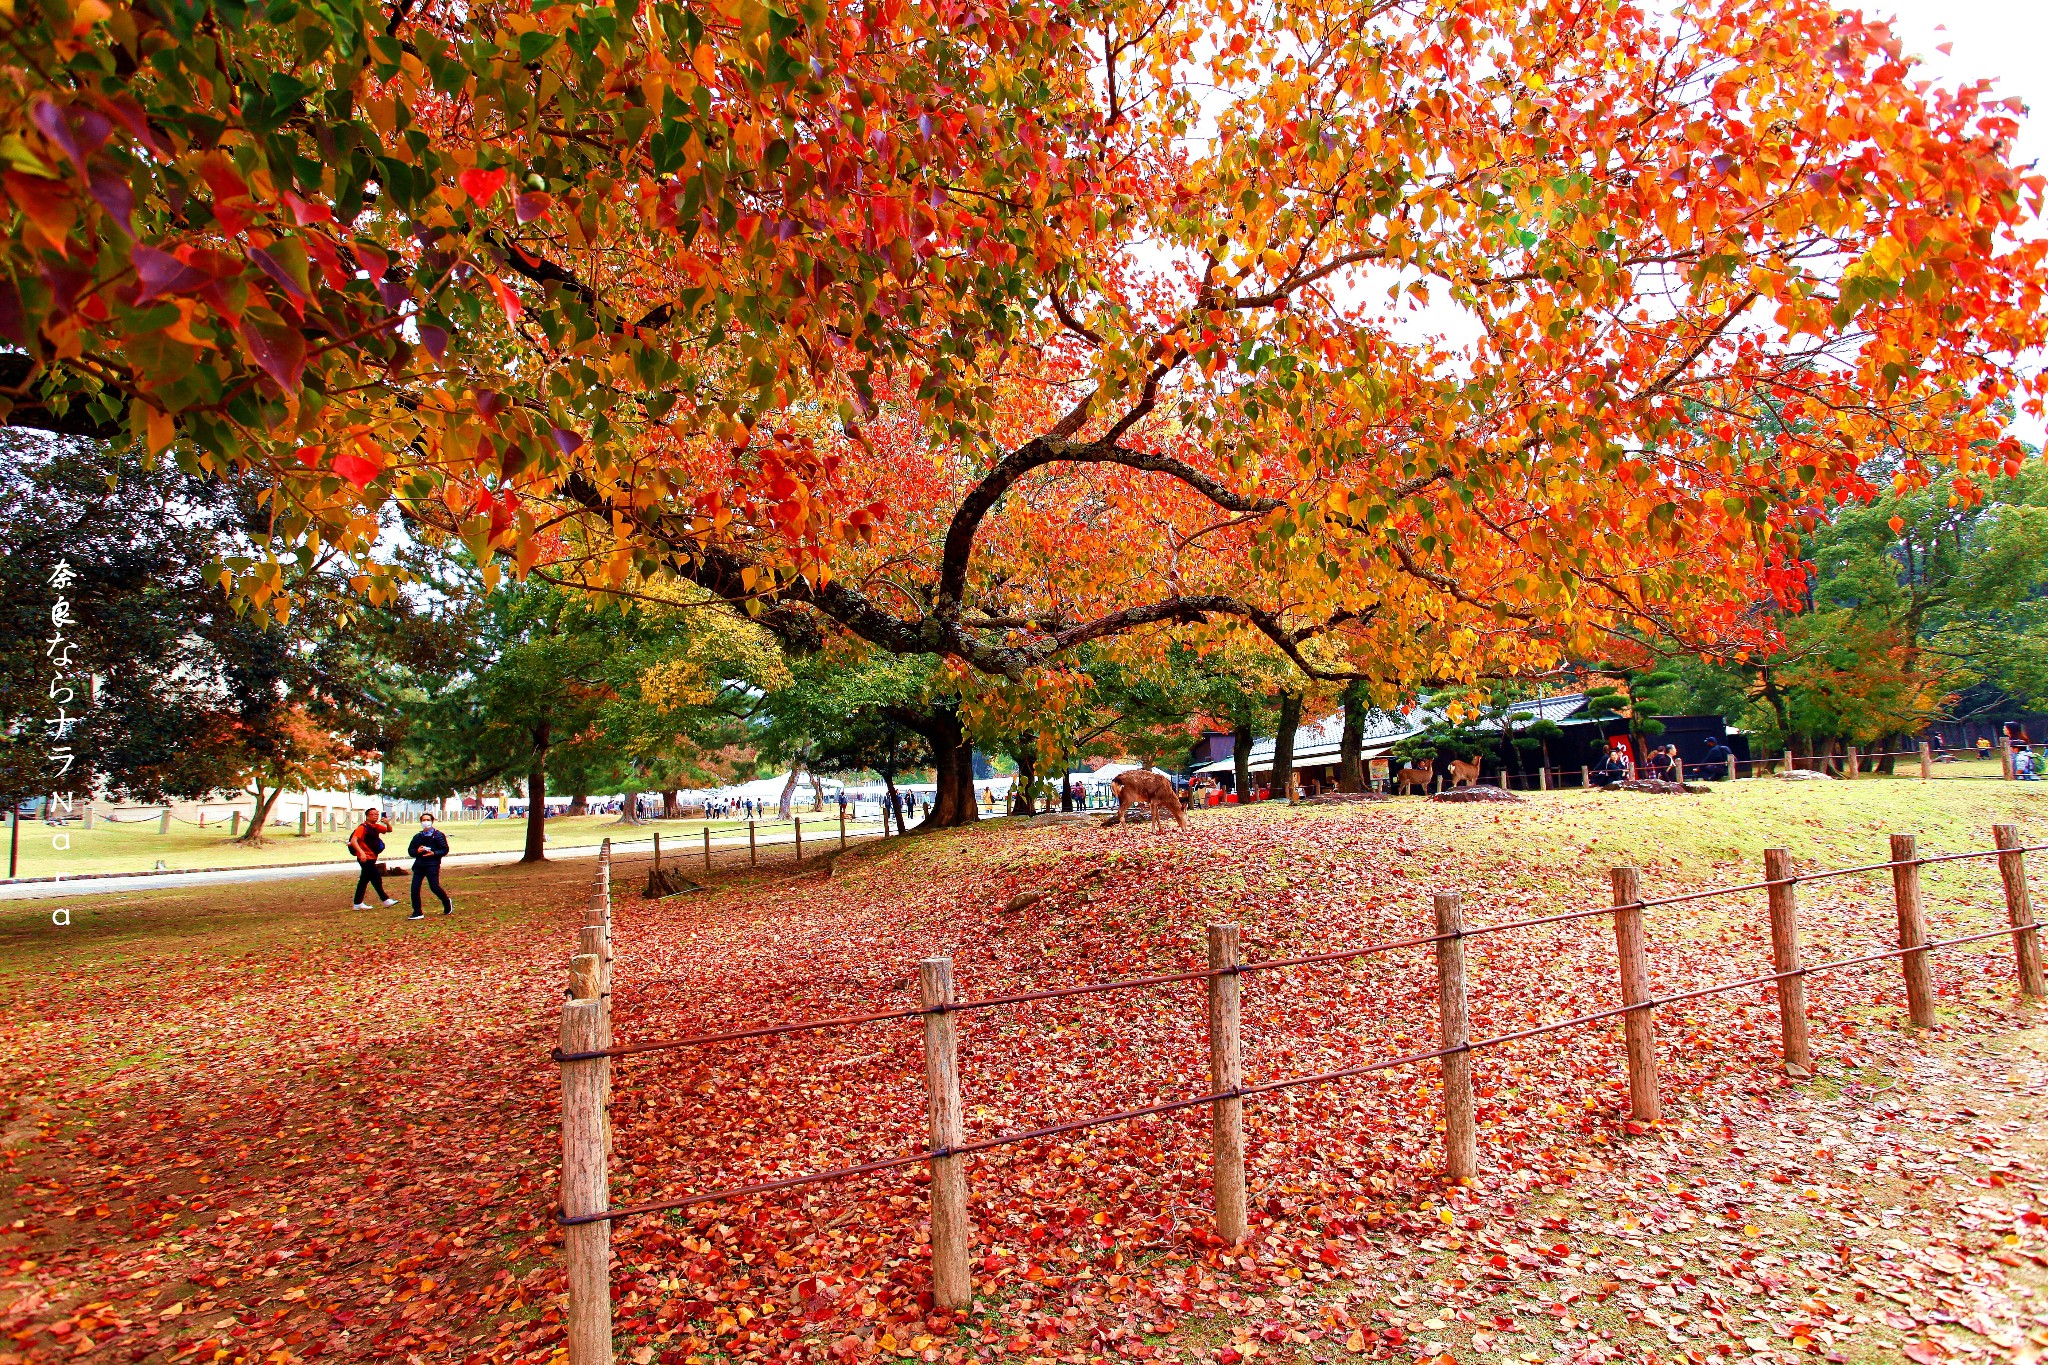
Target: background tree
[{"x": 187, "y": 695}]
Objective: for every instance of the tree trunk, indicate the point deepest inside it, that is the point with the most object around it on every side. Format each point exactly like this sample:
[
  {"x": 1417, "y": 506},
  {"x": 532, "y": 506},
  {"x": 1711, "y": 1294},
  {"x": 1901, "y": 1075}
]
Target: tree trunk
[
  {"x": 1023, "y": 800},
  {"x": 672, "y": 804},
  {"x": 952, "y": 765},
  {"x": 1350, "y": 763},
  {"x": 1283, "y": 745},
  {"x": 889, "y": 805},
  {"x": 629, "y": 810},
  {"x": 782, "y": 807},
  {"x": 261, "y": 817},
  {"x": 537, "y": 798},
  {"x": 1241, "y": 761},
  {"x": 579, "y": 804},
  {"x": 817, "y": 789}
]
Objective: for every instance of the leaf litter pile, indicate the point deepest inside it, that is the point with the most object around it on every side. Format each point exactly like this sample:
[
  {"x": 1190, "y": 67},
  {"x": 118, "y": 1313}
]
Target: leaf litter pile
[{"x": 345, "y": 1150}]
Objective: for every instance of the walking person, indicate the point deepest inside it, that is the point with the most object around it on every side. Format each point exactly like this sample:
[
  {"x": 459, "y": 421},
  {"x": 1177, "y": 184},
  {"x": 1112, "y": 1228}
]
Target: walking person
[
  {"x": 427, "y": 849},
  {"x": 366, "y": 842}
]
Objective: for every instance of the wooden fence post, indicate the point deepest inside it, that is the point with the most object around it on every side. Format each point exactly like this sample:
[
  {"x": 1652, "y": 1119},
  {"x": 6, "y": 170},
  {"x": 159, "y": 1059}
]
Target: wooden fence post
[
  {"x": 842, "y": 827},
  {"x": 302, "y": 823},
  {"x": 2005, "y": 757},
  {"x": 1850, "y": 761},
  {"x": 798, "y": 822},
  {"x": 753, "y": 849},
  {"x": 1585, "y": 776},
  {"x": 1926, "y": 760},
  {"x": 163, "y": 824},
  {"x": 1454, "y": 1020},
  {"x": 1543, "y": 778},
  {"x": 2019, "y": 909},
  {"x": 586, "y": 1184},
  {"x": 952, "y": 1285},
  {"x": 707, "y": 848},
  {"x": 1785, "y": 958},
  {"x": 1788, "y": 760},
  {"x": 1226, "y": 1078},
  {"x": 657, "y": 852},
  {"x": 235, "y": 816},
  {"x": 1912, "y": 930},
  {"x": 1732, "y": 774},
  {"x": 1638, "y": 1029}
]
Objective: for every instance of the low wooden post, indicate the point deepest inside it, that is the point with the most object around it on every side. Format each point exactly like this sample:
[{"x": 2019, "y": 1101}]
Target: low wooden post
[
  {"x": 1926, "y": 760},
  {"x": 1638, "y": 1028},
  {"x": 753, "y": 849},
  {"x": 707, "y": 848},
  {"x": 657, "y": 851},
  {"x": 1850, "y": 761},
  {"x": 1543, "y": 779},
  {"x": 952, "y": 1285},
  {"x": 1785, "y": 958},
  {"x": 1788, "y": 760},
  {"x": 235, "y": 823},
  {"x": 586, "y": 1183},
  {"x": 2005, "y": 757},
  {"x": 2019, "y": 909},
  {"x": 1454, "y": 1030},
  {"x": 798, "y": 822},
  {"x": 1585, "y": 776},
  {"x": 842, "y": 828},
  {"x": 302, "y": 822},
  {"x": 1912, "y": 930},
  {"x": 1226, "y": 1078},
  {"x": 163, "y": 823},
  {"x": 1733, "y": 775}
]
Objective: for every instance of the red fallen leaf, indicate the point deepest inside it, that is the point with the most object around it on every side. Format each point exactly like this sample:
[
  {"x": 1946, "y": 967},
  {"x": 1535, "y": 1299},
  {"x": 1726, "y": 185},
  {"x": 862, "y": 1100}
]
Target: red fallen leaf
[
  {"x": 1228, "y": 1356},
  {"x": 1926, "y": 1353},
  {"x": 481, "y": 185}
]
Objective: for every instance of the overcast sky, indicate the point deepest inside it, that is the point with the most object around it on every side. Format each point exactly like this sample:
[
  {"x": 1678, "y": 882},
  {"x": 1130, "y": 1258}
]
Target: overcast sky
[{"x": 2004, "y": 41}]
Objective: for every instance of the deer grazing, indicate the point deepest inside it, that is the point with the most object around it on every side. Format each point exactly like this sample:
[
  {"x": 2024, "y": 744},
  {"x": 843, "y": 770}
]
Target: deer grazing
[
  {"x": 1416, "y": 775},
  {"x": 1464, "y": 772},
  {"x": 1154, "y": 789}
]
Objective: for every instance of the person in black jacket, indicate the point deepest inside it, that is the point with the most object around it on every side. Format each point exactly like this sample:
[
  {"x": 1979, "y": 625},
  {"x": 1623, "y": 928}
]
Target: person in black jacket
[{"x": 427, "y": 849}]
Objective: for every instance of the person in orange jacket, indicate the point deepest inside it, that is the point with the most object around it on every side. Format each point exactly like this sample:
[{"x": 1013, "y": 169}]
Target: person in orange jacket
[{"x": 366, "y": 842}]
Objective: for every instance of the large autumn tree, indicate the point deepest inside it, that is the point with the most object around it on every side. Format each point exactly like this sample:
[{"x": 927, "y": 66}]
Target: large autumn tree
[{"x": 988, "y": 332}]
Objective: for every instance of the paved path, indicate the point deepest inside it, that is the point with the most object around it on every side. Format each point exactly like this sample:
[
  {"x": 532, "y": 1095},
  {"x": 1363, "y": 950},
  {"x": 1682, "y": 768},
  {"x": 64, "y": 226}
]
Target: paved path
[{"x": 117, "y": 885}]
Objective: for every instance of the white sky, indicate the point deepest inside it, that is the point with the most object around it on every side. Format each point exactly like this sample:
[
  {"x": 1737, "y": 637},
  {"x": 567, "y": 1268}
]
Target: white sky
[{"x": 2004, "y": 41}]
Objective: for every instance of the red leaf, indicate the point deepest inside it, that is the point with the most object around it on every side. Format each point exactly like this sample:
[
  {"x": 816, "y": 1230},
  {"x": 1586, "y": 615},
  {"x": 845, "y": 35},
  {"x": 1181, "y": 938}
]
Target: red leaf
[
  {"x": 355, "y": 468},
  {"x": 277, "y": 347},
  {"x": 45, "y": 202},
  {"x": 481, "y": 185},
  {"x": 114, "y": 194}
]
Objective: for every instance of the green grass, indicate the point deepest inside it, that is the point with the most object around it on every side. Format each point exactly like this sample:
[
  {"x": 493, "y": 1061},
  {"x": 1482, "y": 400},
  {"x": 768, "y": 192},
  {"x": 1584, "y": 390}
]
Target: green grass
[{"x": 138, "y": 847}]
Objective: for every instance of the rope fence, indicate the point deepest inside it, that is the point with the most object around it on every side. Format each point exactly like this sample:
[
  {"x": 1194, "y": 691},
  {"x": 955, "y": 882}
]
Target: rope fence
[{"x": 586, "y": 1050}]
